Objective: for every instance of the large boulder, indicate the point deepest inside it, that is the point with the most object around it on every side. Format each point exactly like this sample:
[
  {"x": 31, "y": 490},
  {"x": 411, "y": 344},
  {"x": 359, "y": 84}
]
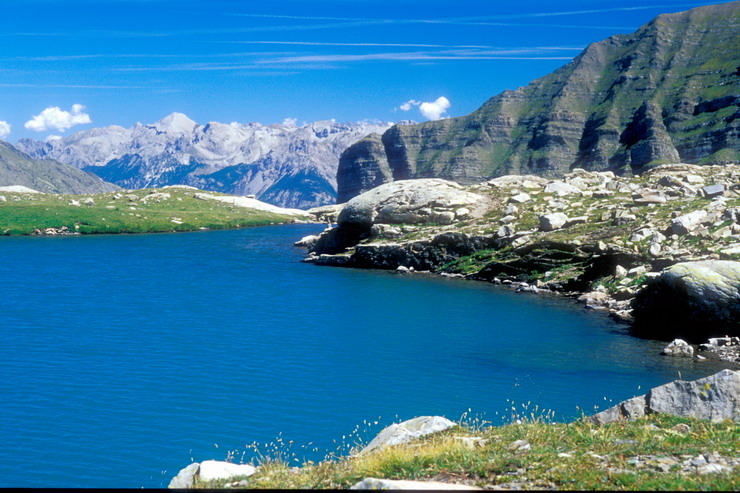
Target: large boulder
[
  {"x": 406, "y": 431},
  {"x": 409, "y": 202},
  {"x": 691, "y": 300},
  {"x": 423, "y": 201},
  {"x": 716, "y": 397}
]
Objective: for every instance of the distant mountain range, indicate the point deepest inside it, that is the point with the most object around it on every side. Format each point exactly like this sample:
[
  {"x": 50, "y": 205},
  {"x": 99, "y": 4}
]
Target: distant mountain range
[
  {"x": 46, "y": 175},
  {"x": 283, "y": 164},
  {"x": 670, "y": 92}
]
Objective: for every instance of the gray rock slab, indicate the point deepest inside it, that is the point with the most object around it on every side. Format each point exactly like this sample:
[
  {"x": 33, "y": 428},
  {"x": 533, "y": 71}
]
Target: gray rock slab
[
  {"x": 711, "y": 191},
  {"x": 185, "y": 478},
  {"x": 716, "y": 398}
]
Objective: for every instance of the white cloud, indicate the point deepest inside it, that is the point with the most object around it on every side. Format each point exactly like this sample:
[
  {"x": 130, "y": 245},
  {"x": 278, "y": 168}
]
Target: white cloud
[
  {"x": 430, "y": 110},
  {"x": 52, "y": 138},
  {"x": 55, "y": 118},
  {"x": 4, "y": 129},
  {"x": 409, "y": 104}
]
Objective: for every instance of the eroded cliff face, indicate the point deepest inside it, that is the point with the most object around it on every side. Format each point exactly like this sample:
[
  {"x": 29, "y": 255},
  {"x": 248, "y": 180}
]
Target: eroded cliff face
[{"x": 664, "y": 94}]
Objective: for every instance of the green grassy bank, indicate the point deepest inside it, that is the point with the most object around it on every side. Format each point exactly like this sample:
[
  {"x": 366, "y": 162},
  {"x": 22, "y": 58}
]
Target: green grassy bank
[
  {"x": 138, "y": 211},
  {"x": 659, "y": 452}
]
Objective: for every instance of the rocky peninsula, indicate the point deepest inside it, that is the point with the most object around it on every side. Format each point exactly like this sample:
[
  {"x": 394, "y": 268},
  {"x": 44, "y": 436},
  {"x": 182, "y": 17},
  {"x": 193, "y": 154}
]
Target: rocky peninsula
[{"x": 660, "y": 250}]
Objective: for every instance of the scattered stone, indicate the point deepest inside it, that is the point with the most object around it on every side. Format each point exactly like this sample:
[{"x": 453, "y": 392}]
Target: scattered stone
[
  {"x": 688, "y": 222},
  {"x": 649, "y": 198},
  {"x": 561, "y": 189},
  {"x": 550, "y": 222},
  {"x": 519, "y": 445},
  {"x": 89, "y": 201},
  {"x": 678, "y": 347},
  {"x": 472, "y": 442},
  {"x": 520, "y": 198},
  {"x": 682, "y": 428},
  {"x": 712, "y": 191}
]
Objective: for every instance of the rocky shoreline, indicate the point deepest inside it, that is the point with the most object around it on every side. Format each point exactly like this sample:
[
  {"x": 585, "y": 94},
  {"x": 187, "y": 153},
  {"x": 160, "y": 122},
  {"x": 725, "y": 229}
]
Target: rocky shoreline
[
  {"x": 713, "y": 401},
  {"x": 659, "y": 251}
]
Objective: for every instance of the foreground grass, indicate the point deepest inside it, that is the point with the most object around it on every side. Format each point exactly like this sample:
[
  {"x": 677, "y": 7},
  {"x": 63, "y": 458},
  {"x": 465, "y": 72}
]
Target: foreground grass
[
  {"x": 125, "y": 212},
  {"x": 648, "y": 454}
]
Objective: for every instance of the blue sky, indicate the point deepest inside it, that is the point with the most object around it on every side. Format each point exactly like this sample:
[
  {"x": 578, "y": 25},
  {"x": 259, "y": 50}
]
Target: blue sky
[{"x": 105, "y": 62}]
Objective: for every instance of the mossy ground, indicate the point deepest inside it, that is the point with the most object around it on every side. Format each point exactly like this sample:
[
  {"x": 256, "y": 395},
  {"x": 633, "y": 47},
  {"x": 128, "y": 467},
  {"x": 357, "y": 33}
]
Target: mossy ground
[
  {"x": 22, "y": 213},
  {"x": 647, "y": 454}
]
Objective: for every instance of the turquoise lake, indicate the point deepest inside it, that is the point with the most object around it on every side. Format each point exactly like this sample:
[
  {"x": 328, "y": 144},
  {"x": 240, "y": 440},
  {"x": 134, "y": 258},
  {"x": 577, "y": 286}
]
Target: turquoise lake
[{"x": 123, "y": 358}]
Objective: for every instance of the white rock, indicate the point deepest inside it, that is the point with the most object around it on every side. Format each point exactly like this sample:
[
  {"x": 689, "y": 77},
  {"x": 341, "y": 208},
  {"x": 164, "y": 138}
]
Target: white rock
[
  {"x": 399, "y": 484},
  {"x": 520, "y": 198},
  {"x": 408, "y": 202},
  {"x": 211, "y": 470},
  {"x": 408, "y": 430},
  {"x": 678, "y": 347},
  {"x": 688, "y": 222},
  {"x": 550, "y": 222},
  {"x": 185, "y": 478},
  {"x": 560, "y": 188}
]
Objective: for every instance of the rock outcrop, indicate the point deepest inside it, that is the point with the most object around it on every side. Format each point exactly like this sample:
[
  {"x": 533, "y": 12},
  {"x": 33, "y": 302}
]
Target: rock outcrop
[
  {"x": 419, "y": 202},
  {"x": 694, "y": 300},
  {"x": 715, "y": 398},
  {"x": 624, "y": 104}
]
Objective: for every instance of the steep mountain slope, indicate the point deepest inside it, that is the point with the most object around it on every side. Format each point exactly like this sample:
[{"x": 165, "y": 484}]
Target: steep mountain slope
[
  {"x": 288, "y": 165},
  {"x": 667, "y": 93},
  {"x": 46, "y": 175}
]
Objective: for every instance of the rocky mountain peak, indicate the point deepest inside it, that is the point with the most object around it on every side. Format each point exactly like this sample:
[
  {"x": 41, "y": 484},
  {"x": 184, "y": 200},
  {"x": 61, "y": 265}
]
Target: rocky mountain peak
[{"x": 176, "y": 123}]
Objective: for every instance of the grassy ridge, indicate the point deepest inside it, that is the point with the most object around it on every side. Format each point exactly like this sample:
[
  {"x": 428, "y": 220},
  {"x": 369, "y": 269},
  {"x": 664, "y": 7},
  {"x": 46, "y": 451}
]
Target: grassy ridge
[
  {"x": 139, "y": 211},
  {"x": 652, "y": 453}
]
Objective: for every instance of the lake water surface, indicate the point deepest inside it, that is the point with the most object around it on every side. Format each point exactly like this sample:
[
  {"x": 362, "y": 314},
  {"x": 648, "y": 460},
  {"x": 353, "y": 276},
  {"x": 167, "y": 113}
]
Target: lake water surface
[{"x": 123, "y": 358}]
